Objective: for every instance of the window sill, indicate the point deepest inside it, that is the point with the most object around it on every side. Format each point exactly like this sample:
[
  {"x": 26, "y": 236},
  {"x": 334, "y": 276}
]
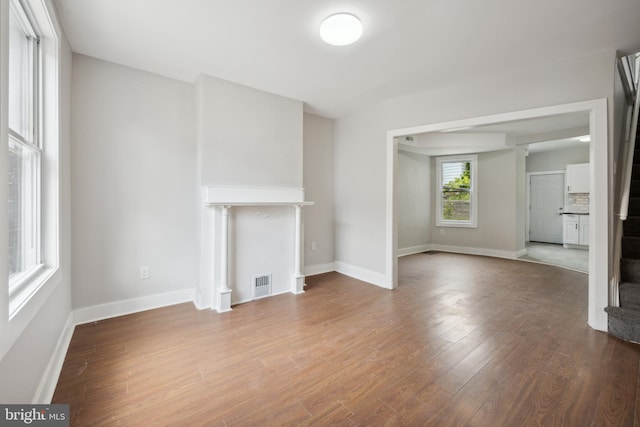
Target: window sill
[
  {"x": 26, "y": 286},
  {"x": 456, "y": 225}
]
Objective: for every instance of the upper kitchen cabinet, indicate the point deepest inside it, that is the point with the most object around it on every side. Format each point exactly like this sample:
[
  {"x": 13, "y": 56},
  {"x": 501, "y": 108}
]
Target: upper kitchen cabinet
[{"x": 577, "y": 178}]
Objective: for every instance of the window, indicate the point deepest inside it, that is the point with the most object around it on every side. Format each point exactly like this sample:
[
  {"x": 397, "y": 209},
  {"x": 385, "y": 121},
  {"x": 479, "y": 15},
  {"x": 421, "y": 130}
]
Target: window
[
  {"x": 456, "y": 193},
  {"x": 25, "y": 152},
  {"x": 33, "y": 144}
]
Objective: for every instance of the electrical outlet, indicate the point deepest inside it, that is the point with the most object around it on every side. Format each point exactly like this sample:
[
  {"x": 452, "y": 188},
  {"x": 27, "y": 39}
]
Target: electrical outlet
[
  {"x": 314, "y": 246},
  {"x": 144, "y": 272}
]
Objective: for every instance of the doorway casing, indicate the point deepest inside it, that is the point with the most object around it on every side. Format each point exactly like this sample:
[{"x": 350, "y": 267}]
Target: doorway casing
[{"x": 599, "y": 241}]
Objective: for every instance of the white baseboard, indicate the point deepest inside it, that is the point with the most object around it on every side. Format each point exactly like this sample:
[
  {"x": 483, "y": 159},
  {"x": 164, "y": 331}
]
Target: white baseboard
[
  {"x": 49, "y": 380},
  {"x": 312, "y": 270},
  {"x": 134, "y": 305},
  {"x": 478, "y": 251},
  {"x": 363, "y": 274},
  {"x": 197, "y": 300},
  {"x": 414, "y": 250}
]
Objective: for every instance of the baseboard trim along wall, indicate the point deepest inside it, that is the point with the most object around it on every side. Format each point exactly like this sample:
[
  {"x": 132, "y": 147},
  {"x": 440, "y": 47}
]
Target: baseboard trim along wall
[
  {"x": 134, "y": 305},
  {"x": 363, "y": 274},
  {"x": 479, "y": 251},
  {"x": 414, "y": 250},
  {"x": 49, "y": 380},
  {"x": 312, "y": 270}
]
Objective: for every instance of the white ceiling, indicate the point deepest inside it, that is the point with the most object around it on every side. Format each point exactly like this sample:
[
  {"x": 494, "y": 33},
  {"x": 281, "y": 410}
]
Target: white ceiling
[
  {"x": 407, "y": 46},
  {"x": 548, "y": 133}
]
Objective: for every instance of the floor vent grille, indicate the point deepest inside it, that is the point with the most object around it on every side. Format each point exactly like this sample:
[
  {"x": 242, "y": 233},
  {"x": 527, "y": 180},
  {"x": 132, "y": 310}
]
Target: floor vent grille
[{"x": 261, "y": 286}]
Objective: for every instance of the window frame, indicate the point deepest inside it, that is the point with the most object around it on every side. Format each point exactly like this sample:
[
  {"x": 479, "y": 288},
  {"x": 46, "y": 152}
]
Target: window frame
[
  {"x": 472, "y": 159},
  {"x": 44, "y": 141}
]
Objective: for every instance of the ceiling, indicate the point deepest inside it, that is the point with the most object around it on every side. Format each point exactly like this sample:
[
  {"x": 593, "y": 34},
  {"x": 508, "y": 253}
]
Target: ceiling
[
  {"x": 407, "y": 46},
  {"x": 539, "y": 134}
]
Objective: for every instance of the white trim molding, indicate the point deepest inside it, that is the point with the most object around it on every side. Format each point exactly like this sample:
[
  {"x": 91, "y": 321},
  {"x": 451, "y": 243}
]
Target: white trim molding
[
  {"x": 363, "y": 274},
  {"x": 600, "y": 209},
  {"x": 472, "y": 160},
  {"x": 241, "y": 196},
  {"x": 312, "y": 270},
  {"x": 496, "y": 253},
  {"x": 49, "y": 380},
  {"x": 129, "y": 306},
  {"x": 414, "y": 250}
]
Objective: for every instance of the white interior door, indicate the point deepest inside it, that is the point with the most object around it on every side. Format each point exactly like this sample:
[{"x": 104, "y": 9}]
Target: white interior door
[{"x": 546, "y": 206}]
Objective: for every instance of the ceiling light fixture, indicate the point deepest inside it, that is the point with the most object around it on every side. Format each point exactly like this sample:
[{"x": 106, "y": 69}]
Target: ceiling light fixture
[
  {"x": 341, "y": 29},
  {"x": 585, "y": 138}
]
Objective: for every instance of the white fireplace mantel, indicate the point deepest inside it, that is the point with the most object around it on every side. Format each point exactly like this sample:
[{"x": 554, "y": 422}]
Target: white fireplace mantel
[
  {"x": 253, "y": 196},
  {"x": 227, "y": 197}
]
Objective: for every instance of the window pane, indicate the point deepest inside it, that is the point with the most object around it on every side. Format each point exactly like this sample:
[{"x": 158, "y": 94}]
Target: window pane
[
  {"x": 23, "y": 207},
  {"x": 21, "y": 74},
  {"x": 456, "y": 191}
]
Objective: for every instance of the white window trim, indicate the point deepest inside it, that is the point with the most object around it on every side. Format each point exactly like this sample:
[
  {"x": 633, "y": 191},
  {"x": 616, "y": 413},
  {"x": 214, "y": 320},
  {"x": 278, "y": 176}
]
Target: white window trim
[
  {"x": 27, "y": 284},
  {"x": 473, "y": 159}
]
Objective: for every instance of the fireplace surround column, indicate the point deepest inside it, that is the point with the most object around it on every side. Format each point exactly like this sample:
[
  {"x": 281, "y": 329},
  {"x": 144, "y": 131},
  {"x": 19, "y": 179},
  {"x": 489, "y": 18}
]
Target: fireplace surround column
[
  {"x": 298, "y": 277},
  {"x": 224, "y": 293}
]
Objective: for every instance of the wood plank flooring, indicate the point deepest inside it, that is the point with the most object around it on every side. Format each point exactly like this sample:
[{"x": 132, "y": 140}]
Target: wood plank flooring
[{"x": 463, "y": 341}]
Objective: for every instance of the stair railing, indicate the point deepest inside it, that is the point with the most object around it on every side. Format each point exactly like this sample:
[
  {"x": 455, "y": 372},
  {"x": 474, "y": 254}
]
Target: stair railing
[
  {"x": 628, "y": 148},
  {"x": 628, "y": 166}
]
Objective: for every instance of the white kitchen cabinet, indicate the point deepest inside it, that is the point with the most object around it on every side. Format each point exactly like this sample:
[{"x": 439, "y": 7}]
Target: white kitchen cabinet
[
  {"x": 571, "y": 230},
  {"x": 584, "y": 229},
  {"x": 577, "y": 178},
  {"x": 575, "y": 230}
]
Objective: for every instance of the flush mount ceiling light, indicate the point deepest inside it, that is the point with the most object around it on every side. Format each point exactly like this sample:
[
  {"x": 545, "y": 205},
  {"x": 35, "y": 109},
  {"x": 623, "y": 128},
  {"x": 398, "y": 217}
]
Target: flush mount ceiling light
[{"x": 341, "y": 29}]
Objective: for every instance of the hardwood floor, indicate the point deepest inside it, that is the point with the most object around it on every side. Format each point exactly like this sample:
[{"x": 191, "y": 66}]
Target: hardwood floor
[{"x": 464, "y": 340}]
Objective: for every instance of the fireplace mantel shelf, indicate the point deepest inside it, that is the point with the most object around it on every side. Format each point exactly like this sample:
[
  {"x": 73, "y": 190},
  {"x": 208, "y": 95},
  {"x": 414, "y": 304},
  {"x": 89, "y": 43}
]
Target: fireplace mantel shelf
[
  {"x": 214, "y": 195},
  {"x": 231, "y": 203}
]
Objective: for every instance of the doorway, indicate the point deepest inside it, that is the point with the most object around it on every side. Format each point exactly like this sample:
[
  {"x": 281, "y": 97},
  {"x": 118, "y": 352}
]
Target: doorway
[
  {"x": 599, "y": 272},
  {"x": 546, "y": 204}
]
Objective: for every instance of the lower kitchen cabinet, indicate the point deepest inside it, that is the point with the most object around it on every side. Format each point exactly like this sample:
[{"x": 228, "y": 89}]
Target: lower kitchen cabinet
[{"x": 575, "y": 230}]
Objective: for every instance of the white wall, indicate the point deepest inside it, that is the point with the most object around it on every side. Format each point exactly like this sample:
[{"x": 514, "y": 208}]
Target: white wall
[
  {"x": 360, "y": 186},
  {"x": 414, "y": 205},
  {"x": 262, "y": 243},
  {"x": 246, "y": 137},
  {"x": 556, "y": 160},
  {"x": 28, "y": 342},
  {"x": 133, "y": 172},
  {"x": 318, "y": 186}
]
